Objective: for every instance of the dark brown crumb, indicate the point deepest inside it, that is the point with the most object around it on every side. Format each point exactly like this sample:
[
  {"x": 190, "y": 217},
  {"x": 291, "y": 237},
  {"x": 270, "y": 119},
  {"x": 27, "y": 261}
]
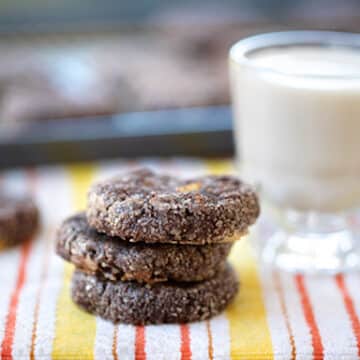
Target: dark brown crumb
[
  {"x": 143, "y": 206},
  {"x": 134, "y": 303}
]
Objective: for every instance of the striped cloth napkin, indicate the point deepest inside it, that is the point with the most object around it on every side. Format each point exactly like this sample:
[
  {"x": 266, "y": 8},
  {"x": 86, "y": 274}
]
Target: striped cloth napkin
[{"x": 275, "y": 315}]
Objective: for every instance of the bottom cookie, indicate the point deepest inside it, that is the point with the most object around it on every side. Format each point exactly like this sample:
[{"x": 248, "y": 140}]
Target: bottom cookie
[{"x": 170, "y": 302}]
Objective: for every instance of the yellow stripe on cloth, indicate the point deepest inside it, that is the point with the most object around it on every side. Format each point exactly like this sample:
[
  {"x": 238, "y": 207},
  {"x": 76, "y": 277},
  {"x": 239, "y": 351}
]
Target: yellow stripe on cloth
[
  {"x": 75, "y": 330},
  {"x": 220, "y": 167},
  {"x": 249, "y": 331}
]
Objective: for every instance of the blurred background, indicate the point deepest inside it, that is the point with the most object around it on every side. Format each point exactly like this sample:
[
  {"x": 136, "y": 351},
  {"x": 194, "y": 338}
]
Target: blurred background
[{"x": 69, "y": 69}]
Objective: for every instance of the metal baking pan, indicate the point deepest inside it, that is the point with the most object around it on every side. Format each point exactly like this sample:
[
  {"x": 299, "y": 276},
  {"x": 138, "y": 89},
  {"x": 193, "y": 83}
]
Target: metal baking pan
[{"x": 205, "y": 131}]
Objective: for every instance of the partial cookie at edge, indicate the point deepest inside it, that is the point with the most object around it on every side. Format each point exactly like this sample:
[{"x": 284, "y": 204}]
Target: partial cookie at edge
[{"x": 19, "y": 219}]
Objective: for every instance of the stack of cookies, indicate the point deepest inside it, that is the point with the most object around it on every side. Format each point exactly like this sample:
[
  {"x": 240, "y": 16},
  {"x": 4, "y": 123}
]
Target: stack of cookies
[{"x": 153, "y": 248}]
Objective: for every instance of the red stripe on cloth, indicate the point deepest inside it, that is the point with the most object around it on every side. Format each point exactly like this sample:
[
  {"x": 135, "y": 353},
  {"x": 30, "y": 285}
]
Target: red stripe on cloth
[
  {"x": 140, "y": 353},
  {"x": 318, "y": 348},
  {"x": 185, "y": 348},
  {"x": 32, "y": 179},
  {"x": 7, "y": 343},
  {"x": 350, "y": 308},
  {"x": 280, "y": 292},
  {"x": 114, "y": 344},
  {"x": 210, "y": 346}
]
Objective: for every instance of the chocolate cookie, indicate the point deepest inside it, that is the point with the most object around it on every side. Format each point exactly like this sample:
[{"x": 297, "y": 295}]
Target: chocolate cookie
[
  {"x": 115, "y": 259},
  {"x": 134, "y": 303},
  {"x": 19, "y": 219},
  {"x": 143, "y": 206}
]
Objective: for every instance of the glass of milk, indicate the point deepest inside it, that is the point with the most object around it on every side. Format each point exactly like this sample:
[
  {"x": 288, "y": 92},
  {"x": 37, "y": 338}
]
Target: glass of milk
[{"x": 296, "y": 103}]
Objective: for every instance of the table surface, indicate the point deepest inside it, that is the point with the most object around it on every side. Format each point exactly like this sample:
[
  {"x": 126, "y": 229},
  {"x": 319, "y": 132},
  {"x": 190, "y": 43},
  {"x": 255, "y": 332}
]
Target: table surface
[{"x": 274, "y": 316}]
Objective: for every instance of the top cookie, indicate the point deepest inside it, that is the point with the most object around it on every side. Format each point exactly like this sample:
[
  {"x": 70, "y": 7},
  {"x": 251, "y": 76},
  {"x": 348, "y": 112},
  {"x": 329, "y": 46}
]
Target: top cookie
[{"x": 144, "y": 206}]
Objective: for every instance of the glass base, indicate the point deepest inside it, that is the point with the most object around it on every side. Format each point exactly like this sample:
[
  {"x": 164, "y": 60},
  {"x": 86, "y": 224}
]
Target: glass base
[{"x": 313, "y": 243}]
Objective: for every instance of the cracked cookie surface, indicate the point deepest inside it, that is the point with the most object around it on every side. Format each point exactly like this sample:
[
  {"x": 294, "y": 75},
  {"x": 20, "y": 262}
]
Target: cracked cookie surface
[
  {"x": 133, "y": 303},
  {"x": 115, "y": 259},
  {"x": 142, "y": 206}
]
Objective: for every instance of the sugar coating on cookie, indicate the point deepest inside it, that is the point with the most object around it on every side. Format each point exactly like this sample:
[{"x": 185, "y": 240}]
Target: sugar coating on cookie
[
  {"x": 115, "y": 259},
  {"x": 147, "y": 207},
  {"x": 134, "y": 303},
  {"x": 19, "y": 219}
]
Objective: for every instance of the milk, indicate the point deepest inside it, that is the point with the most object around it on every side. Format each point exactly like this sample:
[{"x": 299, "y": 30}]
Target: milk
[{"x": 297, "y": 124}]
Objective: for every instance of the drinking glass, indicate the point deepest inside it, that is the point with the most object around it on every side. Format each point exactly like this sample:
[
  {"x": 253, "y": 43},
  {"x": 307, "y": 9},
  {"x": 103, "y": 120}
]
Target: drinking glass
[{"x": 296, "y": 105}]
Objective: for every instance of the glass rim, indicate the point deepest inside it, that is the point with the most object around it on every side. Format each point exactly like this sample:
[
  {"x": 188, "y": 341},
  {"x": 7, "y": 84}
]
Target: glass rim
[{"x": 239, "y": 51}]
